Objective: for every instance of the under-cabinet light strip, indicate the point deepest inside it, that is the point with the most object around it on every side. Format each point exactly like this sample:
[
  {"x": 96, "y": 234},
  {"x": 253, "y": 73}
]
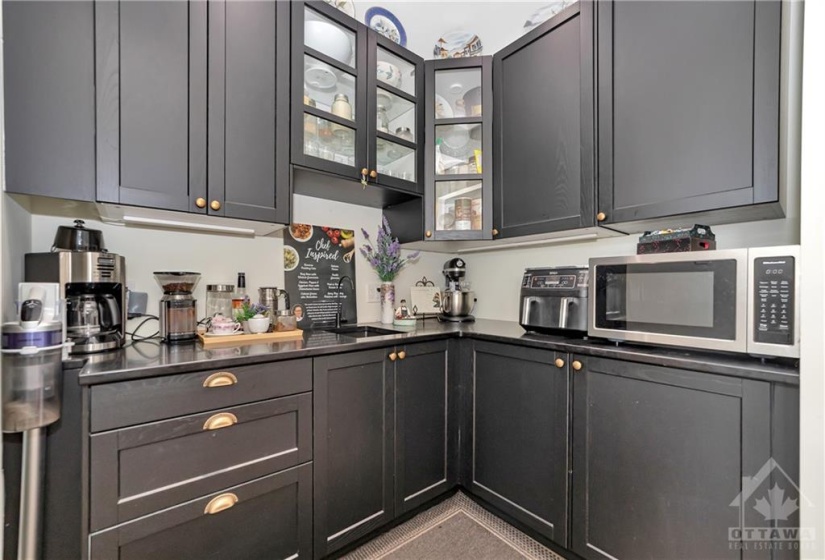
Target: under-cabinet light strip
[
  {"x": 138, "y": 220},
  {"x": 567, "y": 239}
]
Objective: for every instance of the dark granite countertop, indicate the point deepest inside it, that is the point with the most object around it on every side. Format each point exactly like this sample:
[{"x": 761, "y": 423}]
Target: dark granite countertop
[{"x": 151, "y": 358}]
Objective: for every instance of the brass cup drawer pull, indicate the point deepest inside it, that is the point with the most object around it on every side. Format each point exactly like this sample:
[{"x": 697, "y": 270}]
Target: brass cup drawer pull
[
  {"x": 220, "y": 420},
  {"x": 220, "y": 503},
  {"x": 220, "y": 379}
]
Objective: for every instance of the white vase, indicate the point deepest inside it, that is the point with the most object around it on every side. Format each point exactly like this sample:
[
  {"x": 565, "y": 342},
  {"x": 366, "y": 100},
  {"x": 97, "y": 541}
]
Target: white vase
[{"x": 387, "y": 302}]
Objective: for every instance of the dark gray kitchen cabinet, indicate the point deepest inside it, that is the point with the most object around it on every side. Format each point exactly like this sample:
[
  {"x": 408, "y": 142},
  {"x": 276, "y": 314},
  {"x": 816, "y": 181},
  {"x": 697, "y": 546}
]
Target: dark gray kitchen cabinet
[
  {"x": 143, "y": 469},
  {"x": 658, "y": 459},
  {"x": 424, "y": 413},
  {"x": 688, "y": 104},
  {"x": 356, "y": 104},
  {"x": 180, "y": 84},
  {"x": 248, "y": 110},
  {"x": 353, "y": 447},
  {"x": 269, "y": 517},
  {"x": 384, "y": 442},
  {"x": 458, "y": 168},
  {"x": 49, "y": 85},
  {"x": 544, "y": 127},
  {"x": 520, "y": 414},
  {"x": 151, "y": 103}
]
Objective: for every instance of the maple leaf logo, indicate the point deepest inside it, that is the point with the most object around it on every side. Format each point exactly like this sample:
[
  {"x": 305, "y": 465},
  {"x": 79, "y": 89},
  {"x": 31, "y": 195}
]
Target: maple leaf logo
[{"x": 776, "y": 506}]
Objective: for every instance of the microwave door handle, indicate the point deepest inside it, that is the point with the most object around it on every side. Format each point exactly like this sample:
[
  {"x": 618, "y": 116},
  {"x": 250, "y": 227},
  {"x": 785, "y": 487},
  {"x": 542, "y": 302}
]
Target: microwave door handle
[{"x": 563, "y": 309}]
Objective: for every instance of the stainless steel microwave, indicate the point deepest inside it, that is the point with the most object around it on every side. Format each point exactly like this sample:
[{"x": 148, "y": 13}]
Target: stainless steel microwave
[{"x": 737, "y": 300}]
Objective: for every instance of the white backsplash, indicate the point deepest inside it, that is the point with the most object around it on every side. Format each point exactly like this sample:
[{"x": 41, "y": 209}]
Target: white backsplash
[
  {"x": 218, "y": 257},
  {"x": 496, "y": 276}
]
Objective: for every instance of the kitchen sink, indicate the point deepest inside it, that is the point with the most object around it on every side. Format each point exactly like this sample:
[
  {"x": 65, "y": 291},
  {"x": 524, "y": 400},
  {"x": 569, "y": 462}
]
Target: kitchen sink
[{"x": 356, "y": 331}]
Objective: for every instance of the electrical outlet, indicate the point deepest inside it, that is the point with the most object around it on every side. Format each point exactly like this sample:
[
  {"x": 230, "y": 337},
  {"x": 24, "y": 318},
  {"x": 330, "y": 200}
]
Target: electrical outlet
[{"x": 373, "y": 293}]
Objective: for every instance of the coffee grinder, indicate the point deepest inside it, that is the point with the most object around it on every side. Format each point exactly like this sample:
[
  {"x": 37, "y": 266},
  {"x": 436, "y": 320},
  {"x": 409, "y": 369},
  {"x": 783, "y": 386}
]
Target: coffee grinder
[
  {"x": 457, "y": 302},
  {"x": 178, "y": 314}
]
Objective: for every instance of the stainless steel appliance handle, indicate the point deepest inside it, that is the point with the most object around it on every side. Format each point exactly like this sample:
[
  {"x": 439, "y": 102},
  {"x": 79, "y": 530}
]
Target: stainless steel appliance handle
[
  {"x": 563, "y": 311},
  {"x": 525, "y": 315}
]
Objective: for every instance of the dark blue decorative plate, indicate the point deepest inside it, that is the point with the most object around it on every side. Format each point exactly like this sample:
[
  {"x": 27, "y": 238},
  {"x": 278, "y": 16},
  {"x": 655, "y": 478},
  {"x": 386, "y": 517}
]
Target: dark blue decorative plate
[{"x": 385, "y": 22}]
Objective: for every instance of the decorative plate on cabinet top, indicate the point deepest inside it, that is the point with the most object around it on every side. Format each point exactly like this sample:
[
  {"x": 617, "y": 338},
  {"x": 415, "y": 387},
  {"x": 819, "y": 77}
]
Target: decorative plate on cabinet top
[
  {"x": 346, "y": 6},
  {"x": 385, "y": 22},
  {"x": 458, "y": 44},
  {"x": 545, "y": 12}
]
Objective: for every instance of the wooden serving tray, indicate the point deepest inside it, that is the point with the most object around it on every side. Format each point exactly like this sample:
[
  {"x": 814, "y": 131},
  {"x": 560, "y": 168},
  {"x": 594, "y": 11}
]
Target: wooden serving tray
[{"x": 235, "y": 339}]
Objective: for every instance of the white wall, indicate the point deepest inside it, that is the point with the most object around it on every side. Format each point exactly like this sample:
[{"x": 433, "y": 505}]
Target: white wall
[
  {"x": 16, "y": 241},
  {"x": 219, "y": 258}
]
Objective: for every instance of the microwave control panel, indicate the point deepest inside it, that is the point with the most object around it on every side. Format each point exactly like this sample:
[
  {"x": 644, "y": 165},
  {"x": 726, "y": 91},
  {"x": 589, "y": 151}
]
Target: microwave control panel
[{"x": 774, "y": 300}]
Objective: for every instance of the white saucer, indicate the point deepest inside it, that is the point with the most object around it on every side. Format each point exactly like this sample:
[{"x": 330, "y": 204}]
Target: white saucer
[{"x": 223, "y": 334}]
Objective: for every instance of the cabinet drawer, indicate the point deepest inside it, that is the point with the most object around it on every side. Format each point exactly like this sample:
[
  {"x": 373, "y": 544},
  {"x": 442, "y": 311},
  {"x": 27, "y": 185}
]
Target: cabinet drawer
[
  {"x": 116, "y": 405},
  {"x": 139, "y": 470},
  {"x": 271, "y": 518}
]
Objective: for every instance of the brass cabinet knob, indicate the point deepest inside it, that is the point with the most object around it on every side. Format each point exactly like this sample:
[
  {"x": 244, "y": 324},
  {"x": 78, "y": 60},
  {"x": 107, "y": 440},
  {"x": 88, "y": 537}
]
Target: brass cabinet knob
[
  {"x": 559, "y": 363},
  {"x": 402, "y": 355},
  {"x": 220, "y": 503},
  {"x": 577, "y": 365},
  {"x": 393, "y": 356},
  {"x": 220, "y": 420},
  {"x": 601, "y": 216},
  {"x": 215, "y": 205},
  {"x": 495, "y": 232},
  {"x": 200, "y": 203},
  {"x": 373, "y": 174},
  {"x": 220, "y": 379},
  {"x": 364, "y": 172},
  {"x": 429, "y": 233}
]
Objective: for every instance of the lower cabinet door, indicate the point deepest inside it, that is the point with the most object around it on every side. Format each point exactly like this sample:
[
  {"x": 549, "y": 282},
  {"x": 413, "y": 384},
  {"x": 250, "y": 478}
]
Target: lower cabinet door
[
  {"x": 353, "y": 447},
  {"x": 659, "y": 456},
  {"x": 270, "y": 517},
  {"x": 520, "y": 434},
  {"x": 422, "y": 409}
]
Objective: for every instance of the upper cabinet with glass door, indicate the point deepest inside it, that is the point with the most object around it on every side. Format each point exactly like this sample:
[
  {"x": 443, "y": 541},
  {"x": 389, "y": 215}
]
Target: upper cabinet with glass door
[
  {"x": 459, "y": 134},
  {"x": 396, "y": 87},
  {"x": 328, "y": 73},
  {"x": 356, "y": 99}
]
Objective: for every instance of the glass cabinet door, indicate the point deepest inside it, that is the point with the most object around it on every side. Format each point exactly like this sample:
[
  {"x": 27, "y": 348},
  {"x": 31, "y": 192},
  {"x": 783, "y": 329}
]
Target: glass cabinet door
[
  {"x": 396, "y": 88},
  {"x": 332, "y": 112},
  {"x": 459, "y": 130}
]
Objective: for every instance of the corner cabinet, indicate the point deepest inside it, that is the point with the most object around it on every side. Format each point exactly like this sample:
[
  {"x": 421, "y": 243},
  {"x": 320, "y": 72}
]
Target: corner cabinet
[
  {"x": 459, "y": 140},
  {"x": 688, "y": 103},
  {"x": 180, "y": 84},
  {"x": 382, "y": 438},
  {"x": 356, "y": 100},
  {"x": 544, "y": 127}
]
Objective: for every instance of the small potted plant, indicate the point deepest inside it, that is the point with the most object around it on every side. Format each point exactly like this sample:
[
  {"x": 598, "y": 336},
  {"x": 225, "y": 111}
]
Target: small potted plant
[
  {"x": 385, "y": 259},
  {"x": 249, "y": 315}
]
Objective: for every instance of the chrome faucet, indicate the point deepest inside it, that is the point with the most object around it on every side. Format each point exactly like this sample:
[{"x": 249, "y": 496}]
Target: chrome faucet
[{"x": 339, "y": 314}]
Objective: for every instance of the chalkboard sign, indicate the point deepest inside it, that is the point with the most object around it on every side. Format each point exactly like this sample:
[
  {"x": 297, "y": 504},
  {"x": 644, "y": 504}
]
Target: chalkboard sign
[{"x": 315, "y": 259}]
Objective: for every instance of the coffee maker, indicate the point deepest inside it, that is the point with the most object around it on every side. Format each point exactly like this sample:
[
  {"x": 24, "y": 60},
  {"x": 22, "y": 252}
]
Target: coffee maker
[
  {"x": 93, "y": 285},
  {"x": 178, "y": 312},
  {"x": 457, "y": 302}
]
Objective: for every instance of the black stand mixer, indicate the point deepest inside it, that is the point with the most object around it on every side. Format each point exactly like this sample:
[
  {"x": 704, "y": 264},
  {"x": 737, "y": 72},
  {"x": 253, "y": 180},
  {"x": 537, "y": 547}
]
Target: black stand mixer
[{"x": 457, "y": 303}]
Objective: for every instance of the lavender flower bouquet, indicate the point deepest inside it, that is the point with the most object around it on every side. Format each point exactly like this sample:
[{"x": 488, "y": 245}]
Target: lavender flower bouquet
[{"x": 385, "y": 257}]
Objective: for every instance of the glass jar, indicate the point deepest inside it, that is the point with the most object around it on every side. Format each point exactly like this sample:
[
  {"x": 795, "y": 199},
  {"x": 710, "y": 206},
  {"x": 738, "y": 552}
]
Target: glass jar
[
  {"x": 383, "y": 121},
  {"x": 219, "y": 299},
  {"x": 286, "y": 321}
]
